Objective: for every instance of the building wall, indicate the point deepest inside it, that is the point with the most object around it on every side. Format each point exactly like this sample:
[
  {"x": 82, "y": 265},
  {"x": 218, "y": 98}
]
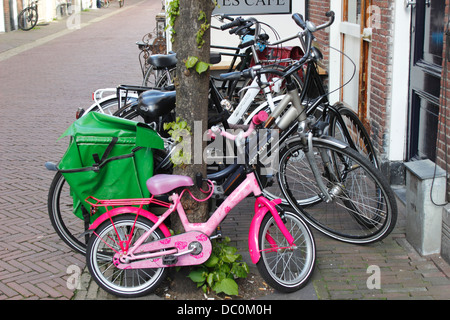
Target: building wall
[
  {"x": 48, "y": 11},
  {"x": 316, "y": 13},
  {"x": 388, "y": 69},
  {"x": 380, "y": 78},
  {"x": 443, "y": 148}
]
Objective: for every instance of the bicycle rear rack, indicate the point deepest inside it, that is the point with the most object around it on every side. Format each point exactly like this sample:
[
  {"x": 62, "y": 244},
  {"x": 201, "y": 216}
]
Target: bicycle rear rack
[{"x": 113, "y": 203}]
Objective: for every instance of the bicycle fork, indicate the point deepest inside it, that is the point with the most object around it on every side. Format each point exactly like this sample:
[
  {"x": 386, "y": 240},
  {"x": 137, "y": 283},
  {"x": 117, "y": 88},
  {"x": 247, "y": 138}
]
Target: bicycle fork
[
  {"x": 262, "y": 206},
  {"x": 327, "y": 194}
]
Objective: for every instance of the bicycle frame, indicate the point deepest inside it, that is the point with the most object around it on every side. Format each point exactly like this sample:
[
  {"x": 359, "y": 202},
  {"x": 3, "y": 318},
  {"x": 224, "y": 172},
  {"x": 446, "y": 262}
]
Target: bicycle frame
[
  {"x": 249, "y": 186},
  {"x": 196, "y": 234}
]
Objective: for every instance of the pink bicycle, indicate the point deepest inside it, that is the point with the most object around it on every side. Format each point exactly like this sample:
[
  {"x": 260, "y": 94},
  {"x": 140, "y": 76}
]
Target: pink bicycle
[{"x": 131, "y": 249}]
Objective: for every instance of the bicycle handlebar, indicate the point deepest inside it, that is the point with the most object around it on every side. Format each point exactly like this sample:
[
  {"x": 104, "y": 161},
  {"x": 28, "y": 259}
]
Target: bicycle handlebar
[
  {"x": 235, "y": 23},
  {"x": 259, "y": 118},
  {"x": 308, "y": 29}
]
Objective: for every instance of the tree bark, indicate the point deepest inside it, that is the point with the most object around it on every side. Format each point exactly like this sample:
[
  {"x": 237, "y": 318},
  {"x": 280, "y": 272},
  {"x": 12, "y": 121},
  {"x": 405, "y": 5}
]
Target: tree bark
[{"x": 192, "y": 96}]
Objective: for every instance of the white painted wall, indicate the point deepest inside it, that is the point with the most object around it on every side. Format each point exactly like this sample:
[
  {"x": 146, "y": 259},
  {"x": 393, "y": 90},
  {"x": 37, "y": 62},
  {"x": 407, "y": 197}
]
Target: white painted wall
[
  {"x": 2, "y": 18},
  {"x": 334, "y": 69},
  {"x": 400, "y": 83}
]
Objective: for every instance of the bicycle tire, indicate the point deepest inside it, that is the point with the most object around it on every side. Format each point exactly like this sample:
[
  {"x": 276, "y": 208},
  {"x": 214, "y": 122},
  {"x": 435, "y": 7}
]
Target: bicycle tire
[
  {"x": 149, "y": 77},
  {"x": 346, "y": 217},
  {"x": 27, "y": 18},
  {"x": 164, "y": 79},
  {"x": 60, "y": 202},
  {"x": 356, "y": 130},
  {"x": 103, "y": 245},
  {"x": 283, "y": 269},
  {"x": 60, "y": 209},
  {"x": 110, "y": 106}
]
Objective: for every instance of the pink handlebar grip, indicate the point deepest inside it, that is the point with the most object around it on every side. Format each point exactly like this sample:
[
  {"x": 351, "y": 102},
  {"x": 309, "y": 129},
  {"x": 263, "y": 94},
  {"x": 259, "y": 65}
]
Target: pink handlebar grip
[{"x": 261, "y": 117}]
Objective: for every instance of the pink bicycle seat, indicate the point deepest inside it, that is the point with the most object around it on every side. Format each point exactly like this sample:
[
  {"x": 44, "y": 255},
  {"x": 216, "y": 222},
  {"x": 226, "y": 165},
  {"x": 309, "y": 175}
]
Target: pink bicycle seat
[{"x": 163, "y": 183}]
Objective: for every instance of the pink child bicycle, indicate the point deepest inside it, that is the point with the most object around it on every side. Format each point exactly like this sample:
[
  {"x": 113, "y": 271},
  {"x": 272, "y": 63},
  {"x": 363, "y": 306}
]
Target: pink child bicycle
[{"x": 131, "y": 249}]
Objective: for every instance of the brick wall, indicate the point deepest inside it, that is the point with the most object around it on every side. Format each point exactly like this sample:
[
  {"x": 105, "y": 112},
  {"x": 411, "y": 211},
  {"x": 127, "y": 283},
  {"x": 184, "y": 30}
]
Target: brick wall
[
  {"x": 443, "y": 147},
  {"x": 316, "y": 13},
  {"x": 6, "y": 10},
  {"x": 380, "y": 77},
  {"x": 379, "y": 82}
]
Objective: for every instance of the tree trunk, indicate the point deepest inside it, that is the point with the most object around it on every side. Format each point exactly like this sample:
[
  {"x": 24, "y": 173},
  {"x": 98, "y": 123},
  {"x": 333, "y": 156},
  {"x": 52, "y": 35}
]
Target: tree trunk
[{"x": 192, "y": 96}]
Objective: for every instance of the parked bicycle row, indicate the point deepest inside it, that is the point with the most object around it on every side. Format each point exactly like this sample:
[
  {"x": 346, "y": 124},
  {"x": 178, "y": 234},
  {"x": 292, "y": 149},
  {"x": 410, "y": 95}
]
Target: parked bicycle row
[{"x": 117, "y": 171}]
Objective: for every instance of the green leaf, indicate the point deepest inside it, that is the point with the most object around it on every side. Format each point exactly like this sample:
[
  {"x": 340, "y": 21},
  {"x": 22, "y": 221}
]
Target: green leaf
[
  {"x": 212, "y": 261},
  {"x": 229, "y": 258},
  {"x": 201, "y": 67},
  {"x": 197, "y": 275},
  {"x": 210, "y": 279},
  {"x": 227, "y": 286},
  {"x": 191, "y": 62},
  {"x": 240, "y": 270}
]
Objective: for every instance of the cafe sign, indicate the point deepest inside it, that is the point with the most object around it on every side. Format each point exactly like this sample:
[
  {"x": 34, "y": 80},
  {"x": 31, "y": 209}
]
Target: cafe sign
[{"x": 253, "y": 7}]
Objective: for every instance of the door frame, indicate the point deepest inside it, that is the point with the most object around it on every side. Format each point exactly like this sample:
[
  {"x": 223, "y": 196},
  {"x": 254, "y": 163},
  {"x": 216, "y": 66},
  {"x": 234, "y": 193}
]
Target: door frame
[{"x": 394, "y": 144}]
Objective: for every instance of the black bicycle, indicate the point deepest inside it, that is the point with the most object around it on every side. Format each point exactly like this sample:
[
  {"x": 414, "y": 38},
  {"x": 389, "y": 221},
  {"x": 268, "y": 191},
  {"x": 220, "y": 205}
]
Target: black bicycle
[{"x": 28, "y": 17}]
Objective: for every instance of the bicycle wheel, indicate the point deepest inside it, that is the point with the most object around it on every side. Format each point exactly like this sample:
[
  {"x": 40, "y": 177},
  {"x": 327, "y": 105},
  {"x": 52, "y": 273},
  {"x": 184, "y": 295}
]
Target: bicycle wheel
[
  {"x": 104, "y": 245},
  {"x": 286, "y": 270},
  {"x": 149, "y": 77},
  {"x": 363, "y": 208},
  {"x": 28, "y": 18},
  {"x": 166, "y": 78},
  {"x": 111, "y": 105},
  {"x": 355, "y": 131},
  {"x": 60, "y": 209}
]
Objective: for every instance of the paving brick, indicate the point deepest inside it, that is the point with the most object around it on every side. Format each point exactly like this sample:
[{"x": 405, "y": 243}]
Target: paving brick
[{"x": 39, "y": 105}]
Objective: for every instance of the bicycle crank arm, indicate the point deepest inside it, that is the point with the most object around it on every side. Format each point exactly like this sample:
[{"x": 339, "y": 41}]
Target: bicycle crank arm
[{"x": 186, "y": 249}]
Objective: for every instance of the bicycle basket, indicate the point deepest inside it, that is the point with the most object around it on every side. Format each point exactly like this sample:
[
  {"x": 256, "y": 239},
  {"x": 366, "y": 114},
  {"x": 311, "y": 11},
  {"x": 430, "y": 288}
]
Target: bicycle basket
[{"x": 108, "y": 158}]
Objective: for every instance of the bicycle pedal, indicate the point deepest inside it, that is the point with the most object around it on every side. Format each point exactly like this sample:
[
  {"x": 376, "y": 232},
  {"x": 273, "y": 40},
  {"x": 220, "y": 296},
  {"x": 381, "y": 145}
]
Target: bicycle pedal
[{"x": 169, "y": 260}]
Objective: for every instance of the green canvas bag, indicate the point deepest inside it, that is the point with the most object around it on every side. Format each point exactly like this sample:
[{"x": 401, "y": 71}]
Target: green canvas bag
[{"x": 108, "y": 158}]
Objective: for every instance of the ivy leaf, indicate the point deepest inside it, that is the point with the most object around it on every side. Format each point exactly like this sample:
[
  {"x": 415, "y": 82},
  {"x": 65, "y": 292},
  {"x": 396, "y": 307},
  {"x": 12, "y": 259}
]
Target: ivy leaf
[
  {"x": 191, "y": 62},
  {"x": 201, "y": 67}
]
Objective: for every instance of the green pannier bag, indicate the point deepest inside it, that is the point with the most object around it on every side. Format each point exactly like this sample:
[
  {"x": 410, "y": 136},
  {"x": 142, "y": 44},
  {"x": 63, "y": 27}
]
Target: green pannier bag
[{"x": 108, "y": 158}]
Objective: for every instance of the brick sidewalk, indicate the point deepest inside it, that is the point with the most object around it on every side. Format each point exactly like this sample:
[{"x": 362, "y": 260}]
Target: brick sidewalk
[
  {"x": 45, "y": 75},
  {"x": 341, "y": 271},
  {"x": 43, "y": 79}
]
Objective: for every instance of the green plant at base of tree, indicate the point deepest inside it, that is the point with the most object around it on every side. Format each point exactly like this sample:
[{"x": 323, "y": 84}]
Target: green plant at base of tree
[{"x": 219, "y": 272}]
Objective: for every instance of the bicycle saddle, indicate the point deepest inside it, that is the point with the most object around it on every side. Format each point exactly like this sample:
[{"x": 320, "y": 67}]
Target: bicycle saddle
[
  {"x": 156, "y": 103},
  {"x": 164, "y": 183},
  {"x": 161, "y": 61}
]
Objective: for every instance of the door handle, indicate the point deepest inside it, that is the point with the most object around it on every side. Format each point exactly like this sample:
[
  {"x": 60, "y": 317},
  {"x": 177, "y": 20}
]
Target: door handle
[{"x": 411, "y": 3}]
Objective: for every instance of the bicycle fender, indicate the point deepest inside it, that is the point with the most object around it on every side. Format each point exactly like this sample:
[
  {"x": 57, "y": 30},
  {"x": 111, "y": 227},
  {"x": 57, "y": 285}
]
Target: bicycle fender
[
  {"x": 253, "y": 242},
  {"x": 337, "y": 143},
  {"x": 134, "y": 210}
]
